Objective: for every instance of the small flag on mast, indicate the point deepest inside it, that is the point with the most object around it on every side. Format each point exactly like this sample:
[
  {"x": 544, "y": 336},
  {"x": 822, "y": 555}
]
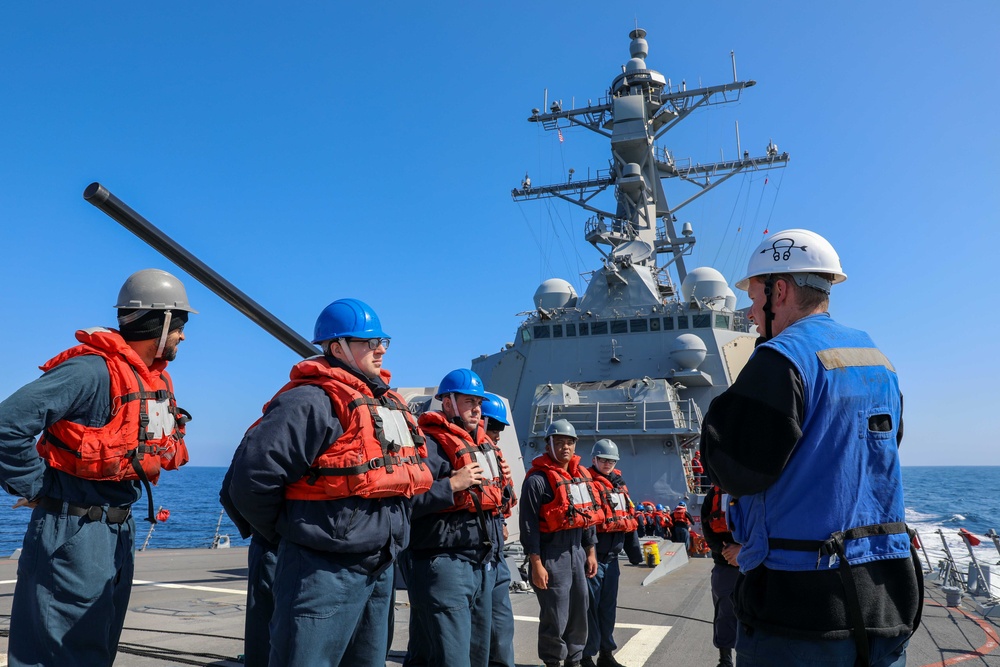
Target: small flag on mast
[{"x": 560, "y": 135}]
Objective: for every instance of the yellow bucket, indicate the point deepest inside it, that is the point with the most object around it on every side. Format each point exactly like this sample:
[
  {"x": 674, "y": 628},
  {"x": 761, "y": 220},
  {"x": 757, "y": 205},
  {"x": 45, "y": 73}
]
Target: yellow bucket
[{"x": 651, "y": 553}]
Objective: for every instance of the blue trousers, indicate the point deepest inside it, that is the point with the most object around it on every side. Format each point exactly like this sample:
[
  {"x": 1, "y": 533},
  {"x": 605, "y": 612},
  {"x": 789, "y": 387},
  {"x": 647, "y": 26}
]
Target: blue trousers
[
  {"x": 262, "y": 558},
  {"x": 502, "y": 628},
  {"x": 603, "y": 608},
  {"x": 724, "y": 623},
  {"x": 562, "y": 614},
  {"x": 74, "y": 579},
  {"x": 451, "y": 612},
  {"x": 762, "y": 649},
  {"x": 325, "y": 614}
]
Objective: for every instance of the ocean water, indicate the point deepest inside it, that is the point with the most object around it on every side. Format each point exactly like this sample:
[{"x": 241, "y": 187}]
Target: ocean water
[{"x": 937, "y": 498}]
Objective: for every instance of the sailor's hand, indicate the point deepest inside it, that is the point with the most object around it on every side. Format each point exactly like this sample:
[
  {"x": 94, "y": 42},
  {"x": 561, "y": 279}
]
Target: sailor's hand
[
  {"x": 504, "y": 468},
  {"x": 463, "y": 478},
  {"x": 506, "y": 533},
  {"x": 729, "y": 552},
  {"x": 24, "y": 502},
  {"x": 539, "y": 575},
  {"x": 591, "y": 566}
]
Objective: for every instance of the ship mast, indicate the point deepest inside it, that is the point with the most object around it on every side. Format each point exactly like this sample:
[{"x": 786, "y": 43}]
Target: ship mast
[{"x": 640, "y": 107}]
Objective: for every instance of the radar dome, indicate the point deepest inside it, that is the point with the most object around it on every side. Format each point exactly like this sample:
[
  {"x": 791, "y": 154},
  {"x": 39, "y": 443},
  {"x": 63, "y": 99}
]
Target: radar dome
[
  {"x": 730, "y": 299},
  {"x": 688, "y": 351},
  {"x": 635, "y": 65},
  {"x": 707, "y": 284},
  {"x": 555, "y": 293}
]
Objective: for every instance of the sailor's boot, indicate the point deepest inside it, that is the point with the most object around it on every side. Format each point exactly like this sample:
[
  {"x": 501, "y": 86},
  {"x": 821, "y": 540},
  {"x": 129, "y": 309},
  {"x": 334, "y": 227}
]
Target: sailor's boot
[
  {"x": 607, "y": 659},
  {"x": 587, "y": 661},
  {"x": 725, "y": 657}
]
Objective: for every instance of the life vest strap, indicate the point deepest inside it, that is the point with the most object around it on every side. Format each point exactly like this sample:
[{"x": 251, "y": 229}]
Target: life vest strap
[
  {"x": 373, "y": 464},
  {"x": 51, "y": 439}
]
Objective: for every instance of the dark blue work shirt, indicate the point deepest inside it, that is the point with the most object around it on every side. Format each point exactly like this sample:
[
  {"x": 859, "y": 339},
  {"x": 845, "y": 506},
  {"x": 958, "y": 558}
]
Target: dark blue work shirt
[
  {"x": 77, "y": 390},
  {"x": 297, "y": 427},
  {"x": 456, "y": 533}
]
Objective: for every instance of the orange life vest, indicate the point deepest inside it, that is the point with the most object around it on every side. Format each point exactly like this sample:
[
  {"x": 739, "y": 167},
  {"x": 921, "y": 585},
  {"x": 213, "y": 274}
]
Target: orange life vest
[
  {"x": 576, "y": 503},
  {"x": 663, "y": 519},
  {"x": 460, "y": 449},
  {"x": 146, "y": 431},
  {"x": 619, "y": 511},
  {"x": 681, "y": 516},
  {"x": 717, "y": 512},
  {"x": 381, "y": 451}
]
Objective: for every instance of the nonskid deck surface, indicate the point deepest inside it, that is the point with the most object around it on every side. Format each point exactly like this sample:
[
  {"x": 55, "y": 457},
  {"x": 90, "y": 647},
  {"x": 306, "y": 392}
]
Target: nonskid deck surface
[{"x": 187, "y": 608}]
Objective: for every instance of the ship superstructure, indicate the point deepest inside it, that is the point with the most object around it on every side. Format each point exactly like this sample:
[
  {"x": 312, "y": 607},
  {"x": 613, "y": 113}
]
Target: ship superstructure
[{"x": 634, "y": 359}]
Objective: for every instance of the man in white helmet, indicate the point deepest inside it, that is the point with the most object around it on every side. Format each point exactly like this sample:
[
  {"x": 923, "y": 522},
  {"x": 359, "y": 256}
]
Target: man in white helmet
[
  {"x": 560, "y": 507},
  {"x": 75, "y": 570},
  {"x": 806, "y": 441}
]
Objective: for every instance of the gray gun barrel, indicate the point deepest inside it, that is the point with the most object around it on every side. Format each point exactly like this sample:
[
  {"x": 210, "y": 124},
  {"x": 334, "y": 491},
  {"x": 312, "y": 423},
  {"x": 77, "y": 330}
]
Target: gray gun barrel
[{"x": 99, "y": 196}]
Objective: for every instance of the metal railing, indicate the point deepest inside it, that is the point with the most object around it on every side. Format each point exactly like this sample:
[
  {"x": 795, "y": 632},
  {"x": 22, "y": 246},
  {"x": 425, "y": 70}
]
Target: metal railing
[{"x": 661, "y": 417}]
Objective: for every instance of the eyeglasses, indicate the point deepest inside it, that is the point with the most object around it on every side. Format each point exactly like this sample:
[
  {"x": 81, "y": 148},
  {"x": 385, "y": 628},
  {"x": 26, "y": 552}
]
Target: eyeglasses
[
  {"x": 373, "y": 343},
  {"x": 601, "y": 459}
]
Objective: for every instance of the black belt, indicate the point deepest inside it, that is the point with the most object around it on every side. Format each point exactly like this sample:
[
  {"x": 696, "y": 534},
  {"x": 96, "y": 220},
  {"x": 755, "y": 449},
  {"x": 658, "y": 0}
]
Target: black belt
[{"x": 115, "y": 515}]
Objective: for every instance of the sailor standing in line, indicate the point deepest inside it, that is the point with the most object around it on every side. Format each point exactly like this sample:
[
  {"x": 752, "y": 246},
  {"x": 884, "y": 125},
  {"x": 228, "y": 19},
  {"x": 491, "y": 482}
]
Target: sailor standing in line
[
  {"x": 807, "y": 439},
  {"x": 682, "y": 524},
  {"x": 457, "y": 541},
  {"x": 615, "y": 533},
  {"x": 559, "y": 508},
  {"x": 262, "y": 559},
  {"x": 502, "y": 627},
  {"x": 74, "y": 576},
  {"x": 330, "y": 469},
  {"x": 724, "y": 573}
]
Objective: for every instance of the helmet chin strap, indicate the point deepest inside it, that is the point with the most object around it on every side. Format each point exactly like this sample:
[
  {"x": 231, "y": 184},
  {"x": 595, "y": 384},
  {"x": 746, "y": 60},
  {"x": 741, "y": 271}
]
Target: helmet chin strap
[
  {"x": 163, "y": 335},
  {"x": 350, "y": 356},
  {"x": 457, "y": 418},
  {"x": 768, "y": 313}
]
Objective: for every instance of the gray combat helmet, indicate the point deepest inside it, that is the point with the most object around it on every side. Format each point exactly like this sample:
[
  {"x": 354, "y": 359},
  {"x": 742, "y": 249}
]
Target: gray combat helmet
[
  {"x": 605, "y": 449},
  {"x": 153, "y": 289},
  {"x": 560, "y": 427}
]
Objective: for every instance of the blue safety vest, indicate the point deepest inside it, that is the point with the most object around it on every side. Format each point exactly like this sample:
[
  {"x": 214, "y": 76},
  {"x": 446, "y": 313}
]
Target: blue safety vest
[{"x": 841, "y": 491}]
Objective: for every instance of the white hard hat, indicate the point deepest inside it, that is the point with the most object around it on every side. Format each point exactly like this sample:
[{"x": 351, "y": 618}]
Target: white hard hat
[{"x": 795, "y": 251}]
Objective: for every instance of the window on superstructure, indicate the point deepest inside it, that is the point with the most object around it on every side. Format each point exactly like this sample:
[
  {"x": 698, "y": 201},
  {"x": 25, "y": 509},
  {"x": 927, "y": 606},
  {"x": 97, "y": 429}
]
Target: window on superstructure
[
  {"x": 703, "y": 321},
  {"x": 721, "y": 321},
  {"x": 668, "y": 323},
  {"x": 541, "y": 331},
  {"x": 584, "y": 328},
  {"x": 682, "y": 321},
  {"x": 619, "y": 326},
  {"x": 557, "y": 331},
  {"x": 638, "y": 326},
  {"x": 654, "y": 324},
  {"x": 570, "y": 330},
  {"x": 598, "y": 328}
]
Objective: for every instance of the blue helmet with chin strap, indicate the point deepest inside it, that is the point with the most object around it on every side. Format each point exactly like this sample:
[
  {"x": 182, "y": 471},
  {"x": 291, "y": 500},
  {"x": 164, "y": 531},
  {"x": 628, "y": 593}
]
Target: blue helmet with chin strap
[
  {"x": 494, "y": 408},
  {"x": 347, "y": 318},
  {"x": 461, "y": 381}
]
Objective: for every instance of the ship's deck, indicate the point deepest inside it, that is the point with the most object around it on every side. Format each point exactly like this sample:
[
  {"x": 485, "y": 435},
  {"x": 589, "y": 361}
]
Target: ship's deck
[{"x": 187, "y": 608}]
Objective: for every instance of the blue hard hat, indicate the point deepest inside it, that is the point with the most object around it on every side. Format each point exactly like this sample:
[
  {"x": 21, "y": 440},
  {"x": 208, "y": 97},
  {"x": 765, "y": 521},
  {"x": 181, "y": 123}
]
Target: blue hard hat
[
  {"x": 494, "y": 408},
  {"x": 661, "y": 508},
  {"x": 461, "y": 381},
  {"x": 347, "y": 318},
  {"x": 682, "y": 504}
]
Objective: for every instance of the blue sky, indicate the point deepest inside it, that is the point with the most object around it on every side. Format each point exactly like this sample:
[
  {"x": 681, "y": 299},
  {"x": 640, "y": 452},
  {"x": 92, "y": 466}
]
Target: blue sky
[{"x": 368, "y": 150}]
